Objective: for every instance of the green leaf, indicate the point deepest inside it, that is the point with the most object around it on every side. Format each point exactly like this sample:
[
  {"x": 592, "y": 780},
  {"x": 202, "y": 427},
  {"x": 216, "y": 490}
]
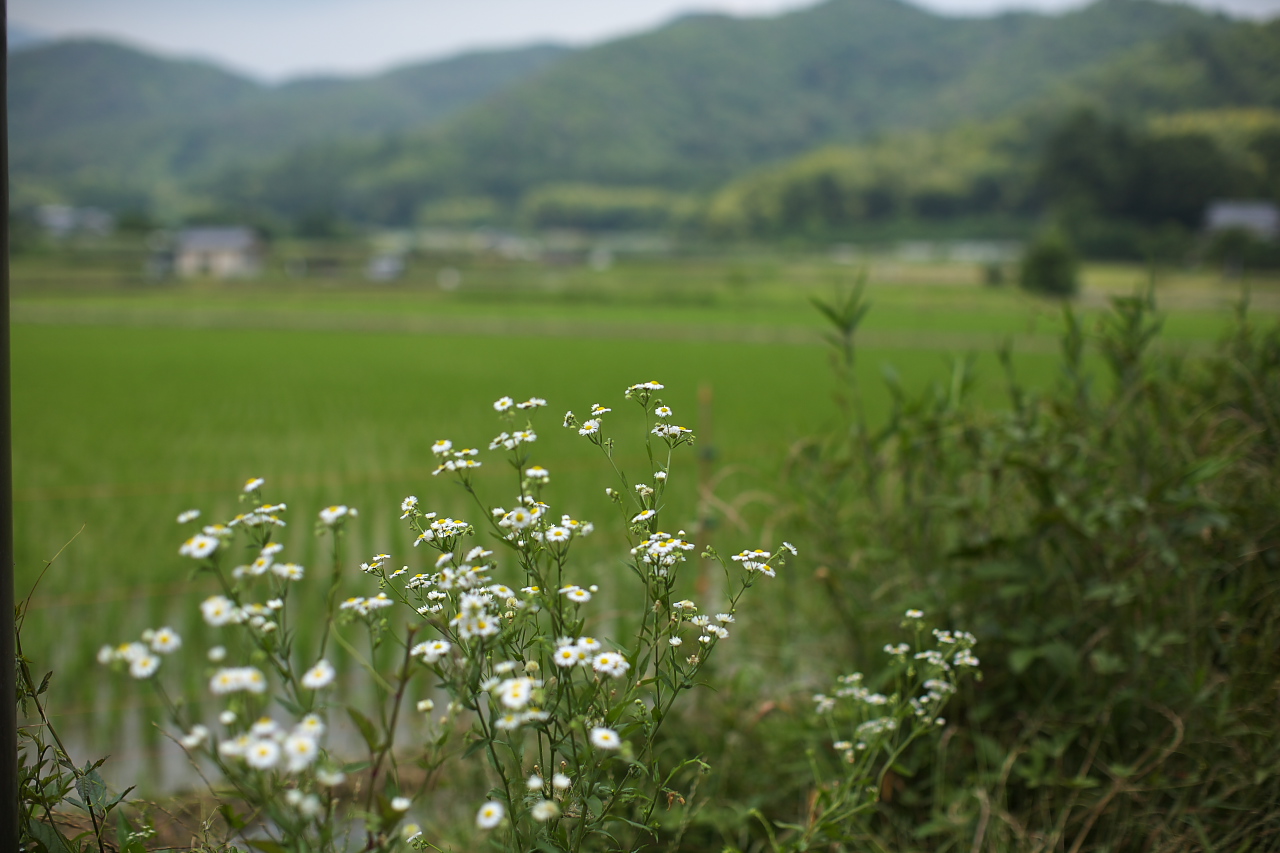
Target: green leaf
[
  {"x": 1020, "y": 659},
  {"x": 92, "y": 790},
  {"x": 266, "y": 845},
  {"x": 594, "y": 806},
  {"x": 1106, "y": 663},
  {"x": 475, "y": 747},
  {"x": 49, "y": 837},
  {"x": 367, "y": 729},
  {"x": 1062, "y": 655},
  {"x": 231, "y": 816}
]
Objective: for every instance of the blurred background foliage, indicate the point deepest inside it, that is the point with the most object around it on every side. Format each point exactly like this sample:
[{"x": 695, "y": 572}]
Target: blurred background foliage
[{"x": 1119, "y": 121}]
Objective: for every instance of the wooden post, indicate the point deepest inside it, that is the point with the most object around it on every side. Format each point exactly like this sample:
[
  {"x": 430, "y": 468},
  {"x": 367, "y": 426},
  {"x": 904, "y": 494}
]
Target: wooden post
[
  {"x": 706, "y": 452},
  {"x": 8, "y": 676}
]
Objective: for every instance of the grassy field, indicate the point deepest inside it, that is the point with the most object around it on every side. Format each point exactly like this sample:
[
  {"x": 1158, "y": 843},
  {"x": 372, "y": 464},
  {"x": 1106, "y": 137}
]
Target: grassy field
[{"x": 134, "y": 402}]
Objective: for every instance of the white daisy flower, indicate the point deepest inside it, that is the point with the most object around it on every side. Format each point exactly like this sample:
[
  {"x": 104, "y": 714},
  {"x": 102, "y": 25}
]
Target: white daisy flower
[
  {"x": 663, "y": 412},
  {"x": 288, "y": 571},
  {"x": 544, "y": 810},
  {"x": 576, "y": 594},
  {"x": 264, "y": 727},
  {"x": 605, "y": 738},
  {"x": 503, "y": 403},
  {"x": 235, "y": 747},
  {"x": 262, "y": 754},
  {"x": 432, "y": 650},
  {"x": 492, "y": 812},
  {"x": 519, "y": 518},
  {"x": 401, "y": 804},
  {"x": 561, "y": 782},
  {"x": 195, "y": 738},
  {"x": 311, "y": 725},
  {"x": 219, "y": 610},
  {"x": 166, "y": 640},
  {"x": 330, "y": 515},
  {"x": 144, "y": 666},
  {"x": 253, "y": 484},
  {"x": 610, "y": 663},
  {"x": 199, "y": 546},
  {"x": 320, "y": 675},
  {"x": 590, "y": 427},
  {"x": 189, "y": 515}
]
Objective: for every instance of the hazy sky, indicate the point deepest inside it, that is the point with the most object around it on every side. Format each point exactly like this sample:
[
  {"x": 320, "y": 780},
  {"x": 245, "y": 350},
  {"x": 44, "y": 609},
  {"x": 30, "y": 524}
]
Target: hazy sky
[{"x": 275, "y": 39}]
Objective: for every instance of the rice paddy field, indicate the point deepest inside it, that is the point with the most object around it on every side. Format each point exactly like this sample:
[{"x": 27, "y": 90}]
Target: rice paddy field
[{"x": 133, "y": 402}]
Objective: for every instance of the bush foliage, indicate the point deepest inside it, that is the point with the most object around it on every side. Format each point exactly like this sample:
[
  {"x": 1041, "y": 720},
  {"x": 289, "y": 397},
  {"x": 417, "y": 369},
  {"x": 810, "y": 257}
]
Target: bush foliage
[
  {"x": 1113, "y": 541},
  {"x": 1050, "y": 266}
]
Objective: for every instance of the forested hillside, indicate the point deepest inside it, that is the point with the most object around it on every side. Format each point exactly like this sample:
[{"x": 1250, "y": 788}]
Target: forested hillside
[
  {"x": 97, "y": 122},
  {"x": 710, "y": 121},
  {"x": 706, "y": 98}
]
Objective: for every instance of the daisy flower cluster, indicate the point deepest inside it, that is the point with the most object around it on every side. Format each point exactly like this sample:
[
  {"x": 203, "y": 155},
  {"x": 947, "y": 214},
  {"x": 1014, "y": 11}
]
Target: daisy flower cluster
[
  {"x": 267, "y": 745},
  {"x": 567, "y": 719},
  {"x": 280, "y": 770},
  {"x": 868, "y": 728},
  {"x": 142, "y": 659}
]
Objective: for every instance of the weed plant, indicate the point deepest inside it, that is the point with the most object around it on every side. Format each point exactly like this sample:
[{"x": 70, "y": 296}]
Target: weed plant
[
  {"x": 576, "y": 740},
  {"x": 1113, "y": 540}
]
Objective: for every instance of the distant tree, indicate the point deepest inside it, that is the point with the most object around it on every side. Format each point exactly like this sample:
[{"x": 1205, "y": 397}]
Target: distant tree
[
  {"x": 1050, "y": 266},
  {"x": 1173, "y": 178},
  {"x": 1267, "y": 147},
  {"x": 1087, "y": 164}
]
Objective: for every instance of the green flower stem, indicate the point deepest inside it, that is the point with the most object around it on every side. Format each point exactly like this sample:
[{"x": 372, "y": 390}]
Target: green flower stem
[{"x": 331, "y": 598}]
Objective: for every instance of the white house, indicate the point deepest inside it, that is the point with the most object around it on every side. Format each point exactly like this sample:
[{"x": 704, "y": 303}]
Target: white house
[
  {"x": 1260, "y": 218},
  {"x": 221, "y": 252}
]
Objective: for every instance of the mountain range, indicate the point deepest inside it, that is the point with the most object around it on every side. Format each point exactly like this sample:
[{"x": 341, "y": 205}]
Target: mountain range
[{"x": 684, "y": 108}]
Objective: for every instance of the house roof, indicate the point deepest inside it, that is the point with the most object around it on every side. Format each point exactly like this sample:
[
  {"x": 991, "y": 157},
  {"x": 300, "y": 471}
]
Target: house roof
[
  {"x": 217, "y": 239},
  {"x": 1260, "y": 217}
]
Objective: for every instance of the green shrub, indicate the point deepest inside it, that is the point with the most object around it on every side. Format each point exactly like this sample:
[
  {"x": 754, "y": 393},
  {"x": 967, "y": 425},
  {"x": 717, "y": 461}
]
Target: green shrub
[
  {"x": 1237, "y": 249},
  {"x": 1050, "y": 266},
  {"x": 1113, "y": 542}
]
